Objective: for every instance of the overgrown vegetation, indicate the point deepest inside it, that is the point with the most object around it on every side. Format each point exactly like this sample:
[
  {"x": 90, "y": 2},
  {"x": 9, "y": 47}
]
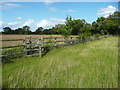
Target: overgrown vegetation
[{"x": 88, "y": 65}]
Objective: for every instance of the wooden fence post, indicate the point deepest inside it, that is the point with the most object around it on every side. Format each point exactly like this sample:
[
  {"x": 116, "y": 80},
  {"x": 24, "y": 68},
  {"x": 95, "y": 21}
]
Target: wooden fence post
[
  {"x": 30, "y": 42},
  {"x": 64, "y": 41},
  {"x": 40, "y": 46},
  {"x": 24, "y": 45},
  {"x": 55, "y": 43},
  {"x": 71, "y": 41}
]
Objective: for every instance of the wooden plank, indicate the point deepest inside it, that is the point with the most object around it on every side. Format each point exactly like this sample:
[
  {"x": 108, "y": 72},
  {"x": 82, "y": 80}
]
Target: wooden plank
[
  {"x": 34, "y": 55},
  {"x": 11, "y": 47},
  {"x": 11, "y": 40},
  {"x": 52, "y": 37},
  {"x": 32, "y": 49},
  {"x": 32, "y": 44},
  {"x": 11, "y": 54}
]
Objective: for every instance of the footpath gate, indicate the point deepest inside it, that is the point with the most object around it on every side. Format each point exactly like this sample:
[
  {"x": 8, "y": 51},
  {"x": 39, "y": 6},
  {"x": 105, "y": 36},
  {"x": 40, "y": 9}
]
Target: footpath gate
[{"x": 33, "y": 46}]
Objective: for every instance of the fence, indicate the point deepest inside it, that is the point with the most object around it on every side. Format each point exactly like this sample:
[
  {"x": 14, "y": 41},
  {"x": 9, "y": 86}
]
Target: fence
[{"x": 40, "y": 46}]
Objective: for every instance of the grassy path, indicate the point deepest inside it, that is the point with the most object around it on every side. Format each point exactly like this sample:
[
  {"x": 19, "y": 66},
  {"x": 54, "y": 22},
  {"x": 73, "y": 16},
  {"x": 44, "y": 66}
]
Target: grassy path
[{"x": 89, "y": 65}]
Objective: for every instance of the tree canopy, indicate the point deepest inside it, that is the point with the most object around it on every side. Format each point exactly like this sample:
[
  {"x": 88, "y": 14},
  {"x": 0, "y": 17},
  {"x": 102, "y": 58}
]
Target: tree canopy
[{"x": 73, "y": 26}]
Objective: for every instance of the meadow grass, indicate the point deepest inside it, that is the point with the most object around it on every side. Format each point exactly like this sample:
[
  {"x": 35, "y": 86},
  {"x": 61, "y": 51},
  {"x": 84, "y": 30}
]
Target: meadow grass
[{"x": 88, "y": 65}]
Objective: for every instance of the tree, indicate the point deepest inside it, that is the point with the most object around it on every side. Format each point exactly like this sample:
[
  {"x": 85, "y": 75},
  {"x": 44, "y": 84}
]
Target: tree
[
  {"x": 7, "y": 30},
  {"x": 26, "y": 29},
  {"x": 20, "y": 31},
  {"x": 107, "y": 25},
  {"x": 65, "y": 30},
  {"x": 39, "y": 30},
  {"x": 74, "y": 25},
  {"x": 115, "y": 18}
]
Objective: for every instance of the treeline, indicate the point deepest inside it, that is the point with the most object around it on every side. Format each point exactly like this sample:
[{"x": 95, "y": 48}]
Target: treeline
[{"x": 101, "y": 26}]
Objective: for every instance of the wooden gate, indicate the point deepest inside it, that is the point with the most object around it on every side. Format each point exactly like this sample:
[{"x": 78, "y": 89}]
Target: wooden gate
[{"x": 33, "y": 46}]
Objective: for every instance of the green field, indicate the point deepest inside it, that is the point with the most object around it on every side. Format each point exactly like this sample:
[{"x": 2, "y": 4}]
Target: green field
[{"x": 89, "y": 65}]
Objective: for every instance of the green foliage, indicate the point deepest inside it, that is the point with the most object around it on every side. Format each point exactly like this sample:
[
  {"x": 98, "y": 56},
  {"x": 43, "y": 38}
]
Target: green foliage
[
  {"x": 39, "y": 30},
  {"x": 66, "y": 31},
  {"x": 83, "y": 35},
  {"x": 7, "y": 30},
  {"x": 107, "y": 25},
  {"x": 74, "y": 25},
  {"x": 96, "y": 35}
]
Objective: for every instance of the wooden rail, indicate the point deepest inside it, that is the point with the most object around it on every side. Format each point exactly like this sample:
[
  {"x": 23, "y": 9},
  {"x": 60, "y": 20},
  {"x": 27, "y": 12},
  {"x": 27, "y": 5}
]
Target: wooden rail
[
  {"x": 11, "y": 40},
  {"x": 11, "y": 47}
]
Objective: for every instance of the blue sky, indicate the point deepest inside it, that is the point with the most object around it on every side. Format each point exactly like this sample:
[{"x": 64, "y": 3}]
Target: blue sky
[{"x": 46, "y": 15}]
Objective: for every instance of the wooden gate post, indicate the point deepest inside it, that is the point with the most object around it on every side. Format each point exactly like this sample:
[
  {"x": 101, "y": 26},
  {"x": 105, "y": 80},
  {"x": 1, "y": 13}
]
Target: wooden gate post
[
  {"x": 39, "y": 43},
  {"x": 65, "y": 41},
  {"x": 40, "y": 46},
  {"x": 42, "y": 40},
  {"x": 30, "y": 42},
  {"x": 24, "y": 45}
]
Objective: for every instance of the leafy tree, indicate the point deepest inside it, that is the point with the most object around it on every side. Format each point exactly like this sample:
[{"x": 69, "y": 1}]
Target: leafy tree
[
  {"x": 20, "y": 31},
  {"x": 26, "y": 29},
  {"x": 39, "y": 30},
  {"x": 7, "y": 30},
  {"x": 75, "y": 25},
  {"x": 107, "y": 25},
  {"x": 65, "y": 30}
]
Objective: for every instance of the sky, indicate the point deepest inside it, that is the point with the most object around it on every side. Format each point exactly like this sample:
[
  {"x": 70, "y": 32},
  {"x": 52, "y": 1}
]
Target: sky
[{"x": 48, "y": 14}]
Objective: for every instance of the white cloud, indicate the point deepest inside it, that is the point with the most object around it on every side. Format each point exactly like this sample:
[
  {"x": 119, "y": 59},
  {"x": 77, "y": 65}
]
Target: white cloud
[
  {"x": 6, "y": 5},
  {"x": 63, "y": 0},
  {"x": 47, "y": 23},
  {"x": 70, "y": 10},
  {"x": 106, "y": 16},
  {"x": 29, "y": 22},
  {"x": 48, "y": 2},
  {"x": 14, "y": 23},
  {"x": 53, "y": 9},
  {"x": 19, "y": 18},
  {"x": 107, "y": 11},
  {"x": 10, "y": 24},
  {"x": 1, "y": 23}
]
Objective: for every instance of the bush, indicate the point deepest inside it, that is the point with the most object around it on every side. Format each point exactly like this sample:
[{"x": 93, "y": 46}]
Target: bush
[
  {"x": 84, "y": 35},
  {"x": 96, "y": 35}
]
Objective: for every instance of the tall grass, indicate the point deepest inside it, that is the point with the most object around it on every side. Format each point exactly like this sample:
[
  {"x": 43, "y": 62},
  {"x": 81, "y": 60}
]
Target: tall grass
[{"x": 89, "y": 65}]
